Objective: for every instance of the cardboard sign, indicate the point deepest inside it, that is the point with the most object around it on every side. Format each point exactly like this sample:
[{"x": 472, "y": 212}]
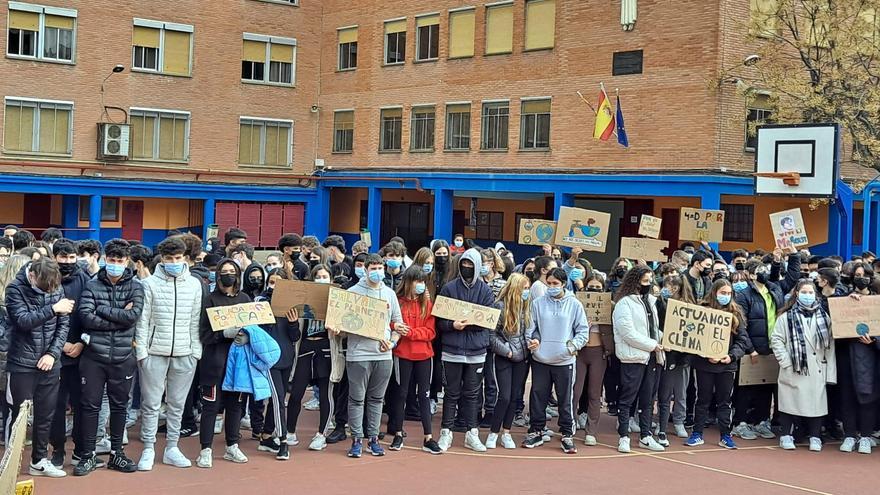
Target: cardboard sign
[
  {"x": 640, "y": 248},
  {"x": 356, "y": 314},
  {"x": 597, "y": 305},
  {"x": 309, "y": 298},
  {"x": 788, "y": 229},
  {"x": 536, "y": 231},
  {"x": 852, "y": 319},
  {"x": 701, "y": 225},
  {"x": 585, "y": 229},
  {"x": 696, "y": 330},
  {"x": 367, "y": 238},
  {"x": 650, "y": 226},
  {"x": 455, "y": 310},
  {"x": 11, "y": 463},
  {"x": 763, "y": 373},
  {"x": 240, "y": 315}
]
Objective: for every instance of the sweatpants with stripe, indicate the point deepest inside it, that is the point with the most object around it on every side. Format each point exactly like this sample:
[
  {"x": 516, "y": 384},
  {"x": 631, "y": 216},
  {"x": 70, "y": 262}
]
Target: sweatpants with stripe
[{"x": 544, "y": 378}]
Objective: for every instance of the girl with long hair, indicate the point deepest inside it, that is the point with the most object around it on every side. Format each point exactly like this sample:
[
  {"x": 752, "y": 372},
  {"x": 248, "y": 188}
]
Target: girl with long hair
[
  {"x": 590, "y": 368},
  {"x": 675, "y": 376}
]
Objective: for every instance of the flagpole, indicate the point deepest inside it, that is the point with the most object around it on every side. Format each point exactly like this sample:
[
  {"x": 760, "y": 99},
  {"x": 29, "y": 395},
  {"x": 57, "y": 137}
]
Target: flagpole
[{"x": 586, "y": 101}]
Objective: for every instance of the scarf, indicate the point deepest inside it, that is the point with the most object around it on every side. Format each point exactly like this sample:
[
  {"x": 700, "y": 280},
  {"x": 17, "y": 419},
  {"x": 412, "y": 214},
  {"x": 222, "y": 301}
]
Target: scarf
[{"x": 797, "y": 340}]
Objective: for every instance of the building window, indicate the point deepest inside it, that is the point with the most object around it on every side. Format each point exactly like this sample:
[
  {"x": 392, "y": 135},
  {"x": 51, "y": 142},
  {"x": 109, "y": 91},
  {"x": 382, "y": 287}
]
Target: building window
[
  {"x": 159, "y": 135},
  {"x": 109, "y": 209},
  {"x": 499, "y": 29},
  {"x": 348, "y": 48},
  {"x": 461, "y": 33},
  {"x": 626, "y": 63},
  {"x": 496, "y": 118},
  {"x": 427, "y": 37},
  {"x": 391, "y": 128},
  {"x": 24, "y": 36},
  {"x": 264, "y": 142},
  {"x": 395, "y": 42},
  {"x": 490, "y": 225},
  {"x": 34, "y": 126},
  {"x": 343, "y": 131},
  {"x": 422, "y": 129},
  {"x": 163, "y": 47},
  {"x": 268, "y": 59},
  {"x": 535, "y": 125},
  {"x": 458, "y": 126},
  {"x": 758, "y": 113},
  {"x": 540, "y": 24},
  {"x": 762, "y": 14},
  {"x": 738, "y": 222}
]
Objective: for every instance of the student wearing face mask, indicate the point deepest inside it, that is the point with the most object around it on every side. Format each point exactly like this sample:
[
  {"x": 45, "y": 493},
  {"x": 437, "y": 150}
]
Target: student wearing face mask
[
  {"x": 440, "y": 249},
  {"x": 457, "y": 246},
  {"x": 290, "y": 246},
  {"x": 490, "y": 271},
  {"x": 424, "y": 258},
  {"x": 590, "y": 370},
  {"x": 676, "y": 373},
  {"x": 618, "y": 272},
  {"x": 393, "y": 253},
  {"x": 543, "y": 266},
  {"x": 637, "y": 344},
  {"x": 738, "y": 260},
  {"x": 720, "y": 270},
  {"x": 699, "y": 274},
  {"x": 793, "y": 272}
]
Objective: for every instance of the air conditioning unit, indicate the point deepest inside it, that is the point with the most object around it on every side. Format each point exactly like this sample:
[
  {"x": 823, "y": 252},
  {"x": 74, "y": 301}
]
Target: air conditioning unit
[{"x": 114, "y": 140}]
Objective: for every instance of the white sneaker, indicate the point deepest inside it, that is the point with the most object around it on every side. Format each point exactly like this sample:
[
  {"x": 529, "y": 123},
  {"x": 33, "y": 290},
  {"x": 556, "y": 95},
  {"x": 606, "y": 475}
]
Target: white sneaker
[
  {"x": 864, "y": 446},
  {"x": 763, "y": 430},
  {"x": 245, "y": 423},
  {"x": 125, "y": 437},
  {"x": 492, "y": 441},
  {"x": 552, "y": 412},
  {"x": 472, "y": 441},
  {"x": 547, "y": 434},
  {"x": 312, "y": 404},
  {"x": 849, "y": 443},
  {"x": 319, "y": 442},
  {"x": 445, "y": 440},
  {"x": 206, "y": 459},
  {"x": 148, "y": 456},
  {"x": 634, "y": 426},
  {"x": 623, "y": 445},
  {"x": 218, "y": 425},
  {"x": 651, "y": 444},
  {"x": 744, "y": 431},
  {"x": 291, "y": 440},
  {"x": 590, "y": 441},
  {"x": 582, "y": 421},
  {"x": 786, "y": 442},
  {"x": 433, "y": 407},
  {"x": 174, "y": 457},
  {"x": 234, "y": 454},
  {"x": 46, "y": 468},
  {"x": 681, "y": 431},
  {"x": 507, "y": 441},
  {"x": 873, "y": 441},
  {"x": 102, "y": 446},
  {"x": 815, "y": 444}
]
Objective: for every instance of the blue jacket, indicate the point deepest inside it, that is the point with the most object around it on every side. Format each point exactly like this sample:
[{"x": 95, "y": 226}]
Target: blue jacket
[
  {"x": 248, "y": 365},
  {"x": 473, "y": 340}
]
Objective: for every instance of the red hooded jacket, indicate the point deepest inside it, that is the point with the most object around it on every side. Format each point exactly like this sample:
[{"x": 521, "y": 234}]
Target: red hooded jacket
[{"x": 416, "y": 345}]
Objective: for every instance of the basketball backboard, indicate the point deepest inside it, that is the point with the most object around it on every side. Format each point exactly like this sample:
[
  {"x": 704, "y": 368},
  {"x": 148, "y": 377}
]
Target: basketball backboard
[{"x": 809, "y": 150}]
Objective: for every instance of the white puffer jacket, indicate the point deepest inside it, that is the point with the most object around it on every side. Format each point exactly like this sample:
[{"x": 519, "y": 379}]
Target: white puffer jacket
[
  {"x": 632, "y": 340},
  {"x": 169, "y": 324}
]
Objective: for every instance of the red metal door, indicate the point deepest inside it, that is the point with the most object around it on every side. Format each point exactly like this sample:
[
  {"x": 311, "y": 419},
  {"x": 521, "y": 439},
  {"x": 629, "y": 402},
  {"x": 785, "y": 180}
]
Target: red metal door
[
  {"x": 270, "y": 225},
  {"x": 133, "y": 220},
  {"x": 226, "y": 216},
  {"x": 293, "y": 219}
]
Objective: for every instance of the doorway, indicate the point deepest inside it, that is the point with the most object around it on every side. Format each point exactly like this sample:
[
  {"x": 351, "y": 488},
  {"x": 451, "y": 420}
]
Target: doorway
[
  {"x": 133, "y": 220},
  {"x": 407, "y": 220}
]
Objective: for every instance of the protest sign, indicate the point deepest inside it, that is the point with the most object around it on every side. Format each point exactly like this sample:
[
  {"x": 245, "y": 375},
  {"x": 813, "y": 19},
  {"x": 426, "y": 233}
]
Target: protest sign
[
  {"x": 852, "y": 319},
  {"x": 367, "y": 238},
  {"x": 766, "y": 371},
  {"x": 309, "y": 298},
  {"x": 640, "y": 248},
  {"x": 455, "y": 310},
  {"x": 536, "y": 232},
  {"x": 581, "y": 228},
  {"x": 696, "y": 330},
  {"x": 701, "y": 225},
  {"x": 650, "y": 226},
  {"x": 240, "y": 315},
  {"x": 788, "y": 229},
  {"x": 356, "y": 314},
  {"x": 597, "y": 305}
]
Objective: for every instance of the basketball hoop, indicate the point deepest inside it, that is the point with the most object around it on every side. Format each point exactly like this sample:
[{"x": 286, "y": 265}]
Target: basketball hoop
[{"x": 788, "y": 178}]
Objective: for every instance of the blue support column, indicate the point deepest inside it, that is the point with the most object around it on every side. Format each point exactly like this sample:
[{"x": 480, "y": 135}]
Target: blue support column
[
  {"x": 443, "y": 201},
  {"x": 208, "y": 216},
  {"x": 374, "y": 216},
  {"x": 95, "y": 217},
  {"x": 711, "y": 200},
  {"x": 317, "y": 216},
  {"x": 867, "y": 221},
  {"x": 559, "y": 200},
  {"x": 840, "y": 222},
  {"x": 70, "y": 216}
]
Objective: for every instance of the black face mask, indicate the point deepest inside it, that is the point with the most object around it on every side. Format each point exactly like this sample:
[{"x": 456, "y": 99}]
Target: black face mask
[
  {"x": 227, "y": 280},
  {"x": 719, "y": 276},
  {"x": 845, "y": 279},
  {"x": 740, "y": 266},
  {"x": 861, "y": 283},
  {"x": 762, "y": 278},
  {"x": 66, "y": 268},
  {"x": 644, "y": 290},
  {"x": 440, "y": 261},
  {"x": 706, "y": 272},
  {"x": 255, "y": 281},
  {"x": 467, "y": 273},
  {"x": 313, "y": 263},
  {"x": 620, "y": 272}
]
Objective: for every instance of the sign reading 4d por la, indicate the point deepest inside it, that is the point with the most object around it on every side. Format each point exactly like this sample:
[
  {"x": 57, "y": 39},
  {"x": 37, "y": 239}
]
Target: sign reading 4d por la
[
  {"x": 696, "y": 330},
  {"x": 701, "y": 225},
  {"x": 581, "y": 228}
]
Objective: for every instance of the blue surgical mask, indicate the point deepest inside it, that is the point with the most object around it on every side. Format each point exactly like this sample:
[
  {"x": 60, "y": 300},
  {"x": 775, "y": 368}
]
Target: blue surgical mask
[
  {"x": 459, "y": 243},
  {"x": 212, "y": 277},
  {"x": 174, "y": 269},
  {"x": 102, "y": 263},
  {"x": 377, "y": 276},
  {"x": 393, "y": 263},
  {"x": 360, "y": 272},
  {"x": 526, "y": 294},
  {"x": 576, "y": 274},
  {"x": 554, "y": 291},
  {"x": 806, "y": 299},
  {"x": 723, "y": 299},
  {"x": 740, "y": 286},
  {"x": 115, "y": 270},
  {"x": 322, "y": 280},
  {"x": 428, "y": 267},
  {"x": 484, "y": 270},
  {"x": 420, "y": 288},
  {"x": 665, "y": 293}
]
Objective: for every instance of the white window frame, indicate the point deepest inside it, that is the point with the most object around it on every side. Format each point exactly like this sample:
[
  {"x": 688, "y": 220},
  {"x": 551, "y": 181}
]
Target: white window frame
[
  {"x": 419, "y": 39},
  {"x": 35, "y": 139},
  {"x": 157, "y": 113},
  {"x": 749, "y": 108},
  {"x": 484, "y": 128},
  {"x": 385, "y": 42},
  {"x": 339, "y": 49},
  {"x": 267, "y": 64},
  {"x": 447, "y": 134},
  {"x": 382, "y": 148},
  {"x": 414, "y": 125},
  {"x": 160, "y": 56},
  {"x": 335, "y": 112},
  {"x": 41, "y": 31},
  {"x": 522, "y": 116},
  {"x": 262, "y": 121}
]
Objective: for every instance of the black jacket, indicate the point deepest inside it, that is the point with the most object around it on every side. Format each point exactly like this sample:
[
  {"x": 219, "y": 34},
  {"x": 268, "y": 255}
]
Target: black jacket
[
  {"x": 739, "y": 346},
  {"x": 215, "y": 350},
  {"x": 674, "y": 359},
  {"x": 102, "y": 311},
  {"x": 792, "y": 274},
  {"x": 37, "y": 330},
  {"x": 73, "y": 287},
  {"x": 285, "y": 333},
  {"x": 755, "y": 310}
]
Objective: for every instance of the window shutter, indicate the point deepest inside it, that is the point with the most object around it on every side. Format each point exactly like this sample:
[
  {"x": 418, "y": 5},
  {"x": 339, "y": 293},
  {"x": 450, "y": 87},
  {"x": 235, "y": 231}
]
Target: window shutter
[
  {"x": 281, "y": 53},
  {"x": 392, "y": 112},
  {"x": 499, "y": 29},
  {"x": 428, "y": 20},
  {"x": 145, "y": 36},
  {"x": 177, "y": 46},
  {"x": 142, "y": 136},
  {"x": 540, "y": 24},
  {"x": 253, "y": 51},
  {"x": 536, "y": 106},
  {"x": 19, "y": 125},
  {"x": 461, "y": 34},
  {"x": 395, "y": 26},
  {"x": 349, "y": 35},
  {"x": 458, "y": 108},
  {"x": 60, "y": 22},
  {"x": 344, "y": 118},
  {"x": 29, "y": 21}
]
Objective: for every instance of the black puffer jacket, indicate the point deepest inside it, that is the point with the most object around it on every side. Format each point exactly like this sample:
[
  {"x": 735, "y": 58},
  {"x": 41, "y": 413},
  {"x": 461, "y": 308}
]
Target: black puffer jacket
[
  {"x": 215, "y": 350},
  {"x": 105, "y": 319},
  {"x": 285, "y": 333},
  {"x": 755, "y": 310},
  {"x": 37, "y": 330},
  {"x": 73, "y": 286}
]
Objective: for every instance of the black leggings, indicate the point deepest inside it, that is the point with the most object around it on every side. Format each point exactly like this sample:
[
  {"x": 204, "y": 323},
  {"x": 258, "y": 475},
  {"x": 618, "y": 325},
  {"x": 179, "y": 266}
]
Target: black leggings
[
  {"x": 636, "y": 392},
  {"x": 215, "y": 400},
  {"x": 279, "y": 381},
  {"x": 407, "y": 372},
  {"x": 312, "y": 365},
  {"x": 813, "y": 425},
  {"x": 717, "y": 386},
  {"x": 510, "y": 377},
  {"x": 69, "y": 391}
]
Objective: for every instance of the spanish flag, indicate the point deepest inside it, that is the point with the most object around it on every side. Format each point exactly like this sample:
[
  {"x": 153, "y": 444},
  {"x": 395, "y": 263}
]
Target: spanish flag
[{"x": 604, "y": 118}]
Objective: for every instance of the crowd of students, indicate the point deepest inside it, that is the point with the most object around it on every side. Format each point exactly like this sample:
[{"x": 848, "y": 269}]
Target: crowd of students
[{"x": 99, "y": 335}]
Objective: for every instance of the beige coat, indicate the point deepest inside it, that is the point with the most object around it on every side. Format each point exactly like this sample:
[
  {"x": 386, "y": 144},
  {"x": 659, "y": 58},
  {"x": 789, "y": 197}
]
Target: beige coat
[{"x": 803, "y": 395}]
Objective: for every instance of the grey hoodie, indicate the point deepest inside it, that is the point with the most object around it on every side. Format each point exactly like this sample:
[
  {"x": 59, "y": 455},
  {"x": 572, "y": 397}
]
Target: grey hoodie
[
  {"x": 362, "y": 348},
  {"x": 556, "y": 323}
]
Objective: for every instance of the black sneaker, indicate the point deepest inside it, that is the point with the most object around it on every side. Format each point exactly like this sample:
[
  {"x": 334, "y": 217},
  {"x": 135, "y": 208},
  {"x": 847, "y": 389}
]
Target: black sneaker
[
  {"x": 58, "y": 459},
  {"x": 337, "y": 435},
  {"x": 533, "y": 439},
  {"x": 189, "y": 431},
  {"x": 76, "y": 458},
  {"x": 120, "y": 462},
  {"x": 397, "y": 443},
  {"x": 568, "y": 446},
  {"x": 283, "y": 452},
  {"x": 86, "y": 465},
  {"x": 270, "y": 445},
  {"x": 430, "y": 446}
]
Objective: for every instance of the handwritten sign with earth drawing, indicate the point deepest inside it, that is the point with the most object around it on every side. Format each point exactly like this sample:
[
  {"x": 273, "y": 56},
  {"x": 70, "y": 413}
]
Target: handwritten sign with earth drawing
[
  {"x": 536, "y": 231},
  {"x": 701, "y": 225},
  {"x": 356, "y": 314},
  {"x": 240, "y": 315},
  {"x": 650, "y": 226},
  {"x": 852, "y": 319},
  {"x": 696, "y": 330},
  {"x": 455, "y": 310},
  {"x": 788, "y": 229},
  {"x": 581, "y": 228}
]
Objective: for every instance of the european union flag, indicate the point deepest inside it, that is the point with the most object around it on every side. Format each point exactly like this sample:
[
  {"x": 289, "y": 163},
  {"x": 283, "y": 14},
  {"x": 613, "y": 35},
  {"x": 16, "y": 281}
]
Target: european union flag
[{"x": 621, "y": 129}]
